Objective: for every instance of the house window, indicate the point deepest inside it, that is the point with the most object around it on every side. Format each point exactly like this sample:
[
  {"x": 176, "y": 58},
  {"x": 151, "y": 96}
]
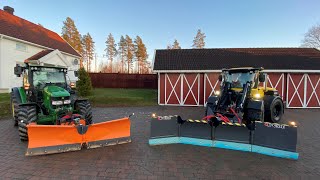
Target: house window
[{"x": 21, "y": 47}]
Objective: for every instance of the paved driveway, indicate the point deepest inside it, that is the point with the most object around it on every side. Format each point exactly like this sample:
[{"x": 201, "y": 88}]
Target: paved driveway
[{"x": 137, "y": 160}]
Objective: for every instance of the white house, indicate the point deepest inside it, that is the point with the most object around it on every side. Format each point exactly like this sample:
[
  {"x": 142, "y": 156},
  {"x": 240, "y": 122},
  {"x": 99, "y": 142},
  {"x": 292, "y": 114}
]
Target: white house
[{"x": 22, "y": 40}]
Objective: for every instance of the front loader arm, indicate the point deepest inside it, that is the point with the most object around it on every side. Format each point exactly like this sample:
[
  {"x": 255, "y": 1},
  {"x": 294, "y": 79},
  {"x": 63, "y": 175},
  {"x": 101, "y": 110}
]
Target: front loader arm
[{"x": 246, "y": 93}]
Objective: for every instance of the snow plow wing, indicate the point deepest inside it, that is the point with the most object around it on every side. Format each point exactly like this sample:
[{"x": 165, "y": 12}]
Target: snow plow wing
[
  {"x": 271, "y": 139},
  {"x": 50, "y": 139}
]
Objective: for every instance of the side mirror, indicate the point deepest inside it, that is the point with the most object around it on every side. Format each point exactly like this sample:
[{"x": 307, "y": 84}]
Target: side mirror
[
  {"x": 262, "y": 77},
  {"x": 18, "y": 70},
  {"x": 220, "y": 77},
  {"x": 76, "y": 73}
]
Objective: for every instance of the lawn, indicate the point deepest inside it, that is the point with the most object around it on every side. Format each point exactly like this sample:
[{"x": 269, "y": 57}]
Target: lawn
[
  {"x": 103, "y": 98},
  {"x": 5, "y": 105},
  {"x": 123, "y": 97}
]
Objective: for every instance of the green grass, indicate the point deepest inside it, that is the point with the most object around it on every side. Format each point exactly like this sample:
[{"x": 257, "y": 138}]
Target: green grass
[
  {"x": 102, "y": 98},
  {"x": 123, "y": 97},
  {"x": 5, "y": 109}
]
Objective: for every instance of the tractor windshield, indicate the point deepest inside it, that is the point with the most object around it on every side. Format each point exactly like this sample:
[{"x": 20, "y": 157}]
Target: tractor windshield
[
  {"x": 43, "y": 76},
  {"x": 237, "y": 80}
]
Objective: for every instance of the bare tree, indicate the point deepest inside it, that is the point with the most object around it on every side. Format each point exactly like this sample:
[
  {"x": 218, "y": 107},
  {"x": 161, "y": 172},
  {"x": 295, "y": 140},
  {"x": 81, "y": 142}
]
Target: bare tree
[{"x": 312, "y": 37}]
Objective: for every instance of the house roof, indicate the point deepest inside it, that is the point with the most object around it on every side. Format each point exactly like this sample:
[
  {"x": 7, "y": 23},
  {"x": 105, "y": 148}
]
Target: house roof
[
  {"x": 38, "y": 55},
  {"x": 216, "y": 59},
  {"x": 13, "y": 26}
]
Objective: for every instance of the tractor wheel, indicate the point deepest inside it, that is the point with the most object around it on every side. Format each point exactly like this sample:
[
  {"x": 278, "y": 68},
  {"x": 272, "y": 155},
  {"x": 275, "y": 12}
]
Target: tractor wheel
[
  {"x": 26, "y": 115},
  {"x": 85, "y": 110},
  {"x": 276, "y": 111},
  {"x": 14, "y": 108}
]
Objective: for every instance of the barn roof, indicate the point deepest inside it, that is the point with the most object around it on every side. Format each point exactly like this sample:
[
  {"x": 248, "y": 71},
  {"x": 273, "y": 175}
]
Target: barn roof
[
  {"x": 189, "y": 60},
  {"x": 16, "y": 27}
]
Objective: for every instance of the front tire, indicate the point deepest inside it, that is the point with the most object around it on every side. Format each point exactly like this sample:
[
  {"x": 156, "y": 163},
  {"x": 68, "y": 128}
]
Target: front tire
[
  {"x": 85, "y": 110},
  {"x": 26, "y": 115},
  {"x": 276, "y": 111}
]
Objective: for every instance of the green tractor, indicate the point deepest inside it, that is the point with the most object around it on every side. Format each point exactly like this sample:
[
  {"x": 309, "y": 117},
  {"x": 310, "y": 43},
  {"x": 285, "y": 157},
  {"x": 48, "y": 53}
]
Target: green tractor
[{"x": 46, "y": 98}]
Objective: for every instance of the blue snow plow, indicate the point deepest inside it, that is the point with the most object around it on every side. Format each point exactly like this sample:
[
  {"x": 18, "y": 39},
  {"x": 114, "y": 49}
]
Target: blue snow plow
[{"x": 243, "y": 116}]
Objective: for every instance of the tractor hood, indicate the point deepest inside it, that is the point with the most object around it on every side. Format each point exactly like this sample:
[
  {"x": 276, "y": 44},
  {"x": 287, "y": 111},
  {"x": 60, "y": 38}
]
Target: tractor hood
[{"x": 56, "y": 91}]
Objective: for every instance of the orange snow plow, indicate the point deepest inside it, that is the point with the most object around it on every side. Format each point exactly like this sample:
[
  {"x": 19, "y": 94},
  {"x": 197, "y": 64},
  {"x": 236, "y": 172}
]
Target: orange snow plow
[{"x": 50, "y": 139}]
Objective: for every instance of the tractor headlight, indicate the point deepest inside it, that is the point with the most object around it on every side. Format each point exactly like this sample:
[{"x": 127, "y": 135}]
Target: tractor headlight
[
  {"x": 217, "y": 93},
  {"x": 57, "y": 103},
  {"x": 257, "y": 96},
  {"x": 68, "y": 101}
]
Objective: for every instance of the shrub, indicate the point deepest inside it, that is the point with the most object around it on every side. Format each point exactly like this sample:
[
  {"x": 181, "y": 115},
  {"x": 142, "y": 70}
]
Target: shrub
[{"x": 84, "y": 86}]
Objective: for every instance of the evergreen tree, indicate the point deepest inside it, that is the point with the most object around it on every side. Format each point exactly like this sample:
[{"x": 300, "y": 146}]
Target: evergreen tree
[
  {"x": 111, "y": 50},
  {"x": 176, "y": 45},
  {"x": 129, "y": 51},
  {"x": 140, "y": 51},
  {"x": 71, "y": 34},
  {"x": 84, "y": 86},
  {"x": 122, "y": 52},
  {"x": 88, "y": 50},
  {"x": 198, "y": 42}
]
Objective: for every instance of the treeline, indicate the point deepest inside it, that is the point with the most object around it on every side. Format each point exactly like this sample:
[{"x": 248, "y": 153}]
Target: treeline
[
  {"x": 121, "y": 56},
  {"x": 125, "y": 56},
  {"x": 126, "y": 51}
]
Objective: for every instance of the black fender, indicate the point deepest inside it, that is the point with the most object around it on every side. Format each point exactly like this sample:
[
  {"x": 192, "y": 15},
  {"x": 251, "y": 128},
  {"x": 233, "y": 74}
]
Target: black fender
[
  {"x": 213, "y": 100},
  {"x": 39, "y": 110},
  {"x": 80, "y": 100},
  {"x": 268, "y": 99},
  {"x": 16, "y": 93}
]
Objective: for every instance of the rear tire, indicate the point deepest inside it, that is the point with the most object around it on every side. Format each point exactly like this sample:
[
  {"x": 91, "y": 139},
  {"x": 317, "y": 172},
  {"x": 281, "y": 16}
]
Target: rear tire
[
  {"x": 14, "y": 108},
  {"x": 26, "y": 115},
  {"x": 85, "y": 110}
]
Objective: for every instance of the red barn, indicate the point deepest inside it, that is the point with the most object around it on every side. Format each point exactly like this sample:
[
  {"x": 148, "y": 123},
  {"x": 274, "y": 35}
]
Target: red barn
[{"x": 187, "y": 77}]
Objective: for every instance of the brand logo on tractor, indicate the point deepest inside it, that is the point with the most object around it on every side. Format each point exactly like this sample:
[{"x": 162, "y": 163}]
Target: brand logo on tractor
[
  {"x": 279, "y": 126},
  {"x": 164, "y": 117}
]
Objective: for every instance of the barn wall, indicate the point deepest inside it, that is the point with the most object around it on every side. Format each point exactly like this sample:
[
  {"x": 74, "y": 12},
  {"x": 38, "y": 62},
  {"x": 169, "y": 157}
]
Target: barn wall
[{"x": 298, "y": 90}]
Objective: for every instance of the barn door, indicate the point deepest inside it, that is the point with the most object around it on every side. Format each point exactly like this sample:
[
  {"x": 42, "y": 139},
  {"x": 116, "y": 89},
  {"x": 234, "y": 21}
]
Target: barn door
[
  {"x": 276, "y": 80},
  {"x": 191, "y": 89},
  {"x": 296, "y": 90},
  {"x": 312, "y": 90},
  {"x": 172, "y": 89},
  {"x": 211, "y": 84}
]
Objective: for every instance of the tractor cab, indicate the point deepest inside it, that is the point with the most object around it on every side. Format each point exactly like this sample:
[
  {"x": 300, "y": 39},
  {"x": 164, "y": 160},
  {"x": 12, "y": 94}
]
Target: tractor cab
[{"x": 239, "y": 77}]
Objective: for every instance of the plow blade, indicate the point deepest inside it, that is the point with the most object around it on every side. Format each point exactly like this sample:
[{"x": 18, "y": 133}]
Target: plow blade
[
  {"x": 164, "y": 130},
  {"x": 275, "y": 140},
  {"x": 232, "y": 136},
  {"x": 108, "y": 133},
  {"x": 50, "y": 139},
  {"x": 267, "y": 138}
]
